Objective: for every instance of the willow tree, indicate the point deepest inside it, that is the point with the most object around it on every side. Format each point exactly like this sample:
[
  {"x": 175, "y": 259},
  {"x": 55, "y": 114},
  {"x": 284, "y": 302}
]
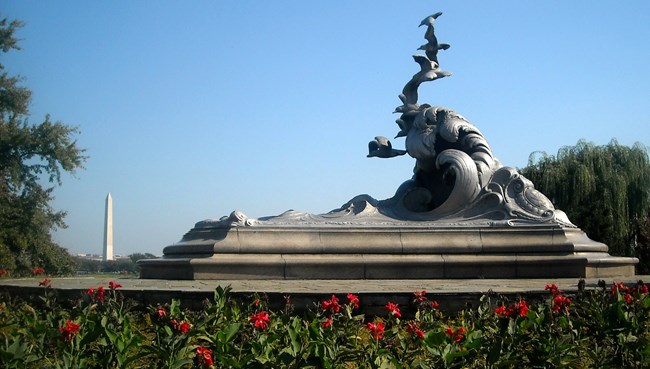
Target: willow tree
[
  {"x": 603, "y": 189},
  {"x": 31, "y": 156}
]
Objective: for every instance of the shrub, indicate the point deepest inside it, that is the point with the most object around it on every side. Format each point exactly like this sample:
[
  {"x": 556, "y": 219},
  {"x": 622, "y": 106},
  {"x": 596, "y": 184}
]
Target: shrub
[{"x": 606, "y": 328}]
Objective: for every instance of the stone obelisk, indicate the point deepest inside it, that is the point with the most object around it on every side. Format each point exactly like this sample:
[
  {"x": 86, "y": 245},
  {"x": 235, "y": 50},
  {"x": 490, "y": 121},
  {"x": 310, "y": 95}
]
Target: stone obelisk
[{"x": 108, "y": 230}]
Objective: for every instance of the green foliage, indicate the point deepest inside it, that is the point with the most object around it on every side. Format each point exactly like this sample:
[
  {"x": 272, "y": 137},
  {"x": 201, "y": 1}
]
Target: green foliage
[
  {"x": 138, "y": 256},
  {"x": 29, "y": 156},
  {"x": 603, "y": 189},
  {"x": 603, "y": 328},
  {"x": 643, "y": 246}
]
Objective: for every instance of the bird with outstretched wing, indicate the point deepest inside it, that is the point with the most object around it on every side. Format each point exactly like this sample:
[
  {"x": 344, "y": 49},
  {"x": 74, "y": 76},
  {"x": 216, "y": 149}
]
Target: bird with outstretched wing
[
  {"x": 431, "y": 48},
  {"x": 382, "y": 148}
]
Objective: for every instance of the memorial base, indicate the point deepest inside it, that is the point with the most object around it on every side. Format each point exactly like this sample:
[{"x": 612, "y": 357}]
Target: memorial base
[{"x": 340, "y": 252}]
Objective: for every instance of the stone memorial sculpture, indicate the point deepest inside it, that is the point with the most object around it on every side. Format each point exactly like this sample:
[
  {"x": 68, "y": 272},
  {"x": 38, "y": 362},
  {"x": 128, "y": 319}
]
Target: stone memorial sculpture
[
  {"x": 461, "y": 215},
  {"x": 455, "y": 176}
]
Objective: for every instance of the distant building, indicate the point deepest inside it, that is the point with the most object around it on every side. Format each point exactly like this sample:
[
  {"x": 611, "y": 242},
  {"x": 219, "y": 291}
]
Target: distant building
[{"x": 90, "y": 257}]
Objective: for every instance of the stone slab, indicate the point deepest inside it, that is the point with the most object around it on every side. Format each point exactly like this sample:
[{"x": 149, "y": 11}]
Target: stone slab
[
  {"x": 452, "y": 294},
  {"x": 384, "y": 252}
]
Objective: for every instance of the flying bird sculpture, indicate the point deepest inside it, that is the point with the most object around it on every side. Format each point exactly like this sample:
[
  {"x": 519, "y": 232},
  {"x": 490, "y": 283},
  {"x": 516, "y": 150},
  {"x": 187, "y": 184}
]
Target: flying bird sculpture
[
  {"x": 430, "y": 20},
  {"x": 420, "y": 135},
  {"x": 429, "y": 71},
  {"x": 381, "y": 147},
  {"x": 432, "y": 46}
]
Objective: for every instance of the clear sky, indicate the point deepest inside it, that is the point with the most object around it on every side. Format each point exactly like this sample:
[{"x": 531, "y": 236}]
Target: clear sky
[{"x": 192, "y": 109}]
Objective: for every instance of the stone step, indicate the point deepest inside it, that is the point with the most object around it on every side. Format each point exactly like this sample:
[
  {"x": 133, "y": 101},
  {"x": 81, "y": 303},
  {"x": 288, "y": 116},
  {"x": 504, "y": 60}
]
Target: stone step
[
  {"x": 353, "y": 252},
  {"x": 373, "y": 266}
]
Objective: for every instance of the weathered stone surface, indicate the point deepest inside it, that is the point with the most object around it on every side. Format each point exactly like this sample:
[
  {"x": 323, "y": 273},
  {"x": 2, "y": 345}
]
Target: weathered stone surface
[
  {"x": 452, "y": 294},
  {"x": 355, "y": 252}
]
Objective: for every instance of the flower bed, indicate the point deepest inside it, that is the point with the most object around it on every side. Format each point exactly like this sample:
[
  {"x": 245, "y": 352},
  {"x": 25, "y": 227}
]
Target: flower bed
[{"x": 606, "y": 327}]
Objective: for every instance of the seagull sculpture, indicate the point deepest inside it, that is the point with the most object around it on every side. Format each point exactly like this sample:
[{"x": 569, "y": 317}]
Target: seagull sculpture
[
  {"x": 431, "y": 48},
  {"x": 429, "y": 71},
  {"x": 381, "y": 147}
]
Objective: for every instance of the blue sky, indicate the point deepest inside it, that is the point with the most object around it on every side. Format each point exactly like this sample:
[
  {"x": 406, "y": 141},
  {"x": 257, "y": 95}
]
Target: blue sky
[{"x": 190, "y": 110}]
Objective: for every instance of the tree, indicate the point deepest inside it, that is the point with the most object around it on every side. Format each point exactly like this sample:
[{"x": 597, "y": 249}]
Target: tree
[
  {"x": 643, "y": 247},
  {"x": 31, "y": 156},
  {"x": 138, "y": 255},
  {"x": 118, "y": 266},
  {"x": 603, "y": 189}
]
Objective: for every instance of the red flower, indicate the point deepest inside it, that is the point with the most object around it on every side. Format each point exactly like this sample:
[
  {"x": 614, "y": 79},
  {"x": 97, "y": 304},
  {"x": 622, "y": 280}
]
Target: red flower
[
  {"x": 434, "y": 304},
  {"x": 618, "y": 286},
  {"x": 420, "y": 297},
  {"x": 521, "y": 308},
  {"x": 517, "y": 309},
  {"x": 47, "y": 283},
  {"x": 260, "y": 320},
  {"x": 553, "y": 288},
  {"x": 353, "y": 300},
  {"x": 628, "y": 298},
  {"x": 113, "y": 286},
  {"x": 205, "y": 356},
  {"x": 161, "y": 313},
  {"x": 376, "y": 330},
  {"x": 415, "y": 330},
  {"x": 560, "y": 301},
  {"x": 332, "y": 304},
  {"x": 3, "y": 272},
  {"x": 327, "y": 323},
  {"x": 38, "y": 270},
  {"x": 69, "y": 330},
  {"x": 394, "y": 309},
  {"x": 100, "y": 293},
  {"x": 182, "y": 327},
  {"x": 456, "y": 335},
  {"x": 411, "y": 326}
]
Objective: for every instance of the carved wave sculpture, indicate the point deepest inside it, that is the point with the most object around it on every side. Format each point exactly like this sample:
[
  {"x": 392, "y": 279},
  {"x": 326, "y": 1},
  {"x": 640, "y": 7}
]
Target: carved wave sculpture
[{"x": 461, "y": 215}]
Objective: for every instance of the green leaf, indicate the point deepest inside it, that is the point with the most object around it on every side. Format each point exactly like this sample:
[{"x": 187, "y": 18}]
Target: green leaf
[
  {"x": 295, "y": 340},
  {"x": 433, "y": 338},
  {"x": 168, "y": 331},
  {"x": 175, "y": 308},
  {"x": 180, "y": 363},
  {"x": 112, "y": 336},
  {"x": 231, "y": 331}
]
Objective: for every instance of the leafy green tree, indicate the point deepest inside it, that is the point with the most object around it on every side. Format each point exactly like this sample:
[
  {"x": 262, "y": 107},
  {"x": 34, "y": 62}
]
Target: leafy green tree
[
  {"x": 138, "y": 255},
  {"x": 643, "y": 246},
  {"x": 88, "y": 265},
  {"x": 118, "y": 266},
  {"x": 31, "y": 156},
  {"x": 603, "y": 189}
]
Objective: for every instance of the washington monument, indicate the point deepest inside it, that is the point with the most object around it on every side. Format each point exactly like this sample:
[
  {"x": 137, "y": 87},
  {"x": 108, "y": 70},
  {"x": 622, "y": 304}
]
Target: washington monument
[{"x": 108, "y": 230}]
